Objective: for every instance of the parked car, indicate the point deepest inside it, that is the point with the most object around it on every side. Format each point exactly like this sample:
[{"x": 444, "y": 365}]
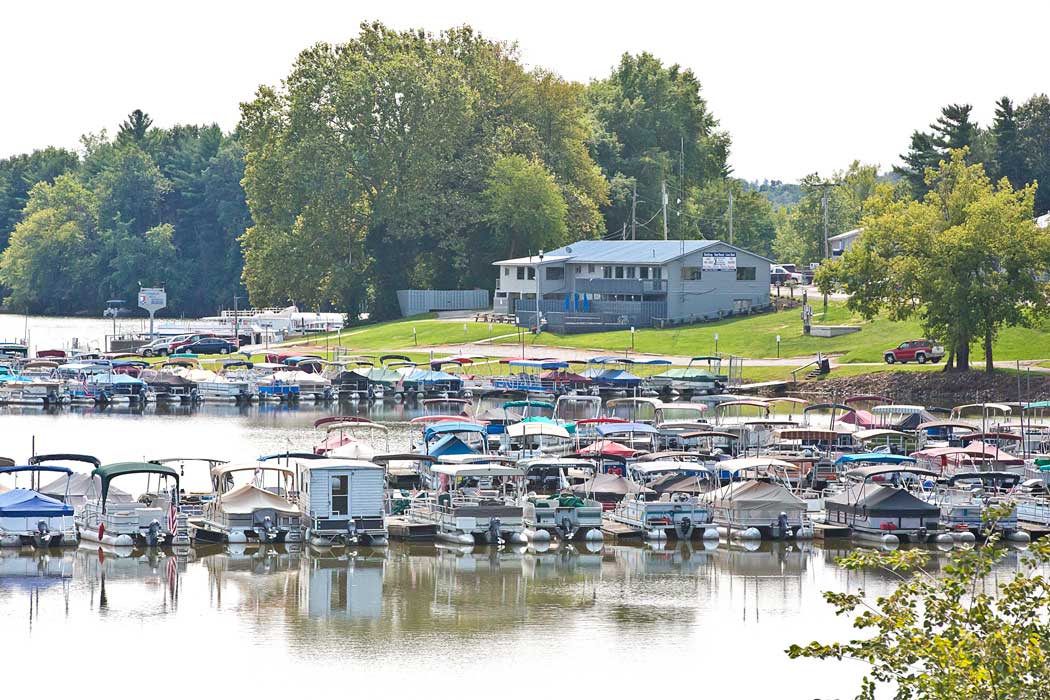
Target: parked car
[
  {"x": 210, "y": 346},
  {"x": 778, "y": 274},
  {"x": 921, "y": 351},
  {"x": 157, "y": 346},
  {"x": 180, "y": 341}
]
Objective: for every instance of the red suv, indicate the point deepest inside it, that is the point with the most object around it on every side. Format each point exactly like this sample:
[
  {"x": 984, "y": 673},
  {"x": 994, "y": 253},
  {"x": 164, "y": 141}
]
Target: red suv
[{"x": 922, "y": 351}]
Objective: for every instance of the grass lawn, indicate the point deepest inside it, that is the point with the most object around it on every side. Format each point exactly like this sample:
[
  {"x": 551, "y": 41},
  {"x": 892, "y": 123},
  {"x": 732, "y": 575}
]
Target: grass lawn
[
  {"x": 755, "y": 337},
  {"x": 752, "y": 337}
]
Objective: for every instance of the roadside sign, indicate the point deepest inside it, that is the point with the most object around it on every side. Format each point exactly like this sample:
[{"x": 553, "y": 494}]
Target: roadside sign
[{"x": 152, "y": 298}]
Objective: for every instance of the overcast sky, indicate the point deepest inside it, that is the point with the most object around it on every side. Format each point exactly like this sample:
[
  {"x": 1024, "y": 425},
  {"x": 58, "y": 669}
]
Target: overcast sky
[{"x": 801, "y": 87}]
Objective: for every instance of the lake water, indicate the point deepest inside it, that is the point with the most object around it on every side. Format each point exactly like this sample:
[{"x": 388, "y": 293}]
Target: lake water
[{"x": 626, "y": 621}]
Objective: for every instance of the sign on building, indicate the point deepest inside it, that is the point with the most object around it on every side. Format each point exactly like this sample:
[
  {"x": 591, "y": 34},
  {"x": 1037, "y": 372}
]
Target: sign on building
[
  {"x": 152, "y": 298},
  {"x": 717, "y": 260}
]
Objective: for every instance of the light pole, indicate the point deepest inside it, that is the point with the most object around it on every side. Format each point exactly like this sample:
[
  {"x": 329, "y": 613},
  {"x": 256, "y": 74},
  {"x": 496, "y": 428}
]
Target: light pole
[
  {"x": 716, "y": 343},
  {"x": 778, "y": 347},
  {"x": 236, "y": 322},
  {"x": 632, "y": 338},
  {"x": 539, "y": 293}
]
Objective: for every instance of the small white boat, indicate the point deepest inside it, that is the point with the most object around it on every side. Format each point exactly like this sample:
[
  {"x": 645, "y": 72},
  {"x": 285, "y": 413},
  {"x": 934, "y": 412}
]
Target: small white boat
[{"x": 551, "y": 509}]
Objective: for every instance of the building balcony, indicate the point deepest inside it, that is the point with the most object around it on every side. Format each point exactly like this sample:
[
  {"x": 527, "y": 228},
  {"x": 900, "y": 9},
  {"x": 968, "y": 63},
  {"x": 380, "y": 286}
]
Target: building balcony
[{"x": 621, "y": 286}]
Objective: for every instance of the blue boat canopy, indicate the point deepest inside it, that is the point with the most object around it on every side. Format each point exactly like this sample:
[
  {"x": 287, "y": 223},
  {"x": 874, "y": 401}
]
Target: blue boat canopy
[
  {"x": 875, "y": 458},
  {"x": 539, "y": 364},
  {"x": 450, "y": 445},
  {"x": 24, "y": 503},
  {"x": 616, "y": 377},
  {"x": 36, "y": 468},
  {"x": 450, "y": 427}
]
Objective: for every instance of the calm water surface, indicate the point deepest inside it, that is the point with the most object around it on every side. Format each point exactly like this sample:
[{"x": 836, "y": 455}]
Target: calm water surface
[{"x": 626, "y": 621}]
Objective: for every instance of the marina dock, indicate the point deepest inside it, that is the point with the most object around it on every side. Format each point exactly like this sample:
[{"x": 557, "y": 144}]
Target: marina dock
[{"x": 402, "y": 529}]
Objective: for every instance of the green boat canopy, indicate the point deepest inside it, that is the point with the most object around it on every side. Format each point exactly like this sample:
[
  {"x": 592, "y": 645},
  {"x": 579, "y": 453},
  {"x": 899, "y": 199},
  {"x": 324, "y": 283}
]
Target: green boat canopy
[{"x": 111, "y": 471}]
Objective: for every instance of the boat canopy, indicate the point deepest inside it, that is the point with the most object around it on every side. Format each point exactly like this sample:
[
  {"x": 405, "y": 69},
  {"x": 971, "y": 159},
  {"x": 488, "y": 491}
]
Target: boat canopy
[
  {"x": 866, "y": 473},
  {"x": 341, "y": 419},
  {"x": 863, "y": 435},
  {"x": 25, "y": 503},
  {"x": 995, "y": 478},
  {"x": 874, "y": 458},
  {"x": 401, "y": 457},
  {"x": 110, "y": 471},
  {"x": 740, "y": 464},
  {"x": 539, "y": 364},
  {"x": 449, "y": 427},
  {"x": 529, "y": 428},
  {"x": 625, "y": 428},
  {"x": 328, "y": 463},
  {"x": 57, "y": 457},
  {"x": 609, "y": 485},
  {"x": 667, "y": 465},
  {"x": 945, "y": 424},
  {"x": 462, "y": 470},
  {"x": 558, "y": 462},
  {"x": 709, "y": 434},
  {"x": 608, "y": 448},
  {"x": 528, "y": 403},
  {"x": 896, "y": 409},
  {"x": 634, "y": 400},
  {"x": 882, "y": 500},
  {"x": 224, "y": 469},
  {"x": 36, "y": 468},
  {"x": 831, "y": 407},
  {"x": 867, "y": 398},
  {"x": 808, "y": 434}
]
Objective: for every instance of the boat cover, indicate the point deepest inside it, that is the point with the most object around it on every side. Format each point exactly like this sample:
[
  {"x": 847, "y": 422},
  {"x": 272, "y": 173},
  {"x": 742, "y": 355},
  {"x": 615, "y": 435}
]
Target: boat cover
[
  {"x": 354, "y": 449},
  {"x": 679, "y": 483},
  {"x": 25, "y": 503},
  {"x": 755, "y": 495},
  {"x": 246, "y": 498},
  {"x": 608, "y": 485},
  {"x": 880, "y": 500},
  {"x": 450, "y": 445},
  {"x": 80, "y": 485}
]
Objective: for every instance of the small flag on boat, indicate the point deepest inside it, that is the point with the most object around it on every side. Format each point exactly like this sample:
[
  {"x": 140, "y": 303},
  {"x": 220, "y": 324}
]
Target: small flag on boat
[{"x": 173, "y": 519}]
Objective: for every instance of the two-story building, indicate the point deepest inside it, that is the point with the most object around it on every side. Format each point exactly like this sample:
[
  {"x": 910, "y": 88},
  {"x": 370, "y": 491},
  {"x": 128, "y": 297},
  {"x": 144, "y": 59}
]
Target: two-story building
[{"x": 604, "y": 285}]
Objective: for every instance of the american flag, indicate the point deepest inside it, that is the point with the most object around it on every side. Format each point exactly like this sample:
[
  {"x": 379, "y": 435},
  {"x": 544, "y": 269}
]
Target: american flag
[{"x": 172, "y": 518}]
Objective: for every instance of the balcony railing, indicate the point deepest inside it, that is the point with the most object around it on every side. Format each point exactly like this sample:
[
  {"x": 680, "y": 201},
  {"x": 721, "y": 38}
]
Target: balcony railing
[{"x": 620, "y": 286}]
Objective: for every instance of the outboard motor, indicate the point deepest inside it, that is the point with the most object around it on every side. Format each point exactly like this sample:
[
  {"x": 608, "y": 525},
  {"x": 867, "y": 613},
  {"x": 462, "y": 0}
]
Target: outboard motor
[
  {"x": 782, "y": 524},
  {"x": 568, "y": 531},
  {"x": 684, "y": 528},
  {"x": 351, "y": 532},
  {"x": 42, "y": 535},
  {"x": 494, "y": 535},
  {"x": 153, "y": 534},
  {"x": 267, "y": 531}
]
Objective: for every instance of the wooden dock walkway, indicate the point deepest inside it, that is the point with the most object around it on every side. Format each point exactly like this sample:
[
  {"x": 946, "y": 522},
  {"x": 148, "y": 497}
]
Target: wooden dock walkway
[
  {"x": 824, "y": 531},
  {"x": 618, "y": 532},
  {"x": 1035, "y": 531},
  {"x": 401, "y": 528}
]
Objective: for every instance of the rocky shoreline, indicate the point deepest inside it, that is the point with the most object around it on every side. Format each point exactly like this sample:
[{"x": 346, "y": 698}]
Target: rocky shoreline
[{"x": 931, "y": 388}]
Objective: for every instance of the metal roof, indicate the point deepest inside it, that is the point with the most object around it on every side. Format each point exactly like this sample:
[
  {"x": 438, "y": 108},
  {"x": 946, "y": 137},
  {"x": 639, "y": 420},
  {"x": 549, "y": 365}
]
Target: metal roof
[{"x": 632, "y": 252}]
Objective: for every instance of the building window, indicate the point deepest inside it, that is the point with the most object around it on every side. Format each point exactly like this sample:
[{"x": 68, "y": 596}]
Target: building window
[
  {"x": 619, "y": 272},
  {"x": 579, "y": 269},
  {"x": 506, "y": 272},
  {"x": 607, "y": 272},
  {"x": 691, "y": 274},
  {"x": 532, "y": 273},
  {"x": 745, "y": 273},
  {"x": 590, "y": 268},
  {"x": 658, "y": 273},
  {"x": 643, "y": 272},
  {"x": 555, "y": 273},
  {"x": 340, "y": 495},
  {"x": 521, "y": 273}
]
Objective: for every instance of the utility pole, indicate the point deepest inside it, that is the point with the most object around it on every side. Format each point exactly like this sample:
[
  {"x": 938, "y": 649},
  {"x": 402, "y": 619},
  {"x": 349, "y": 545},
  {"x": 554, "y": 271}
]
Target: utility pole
[
  {"x": 663, "y": 198},
  {"x": 634, "y": 204},
  {"x": 236, "y": 323},
  {"x": 730, "y": 217},
  {"x": 827, "y": 245}
]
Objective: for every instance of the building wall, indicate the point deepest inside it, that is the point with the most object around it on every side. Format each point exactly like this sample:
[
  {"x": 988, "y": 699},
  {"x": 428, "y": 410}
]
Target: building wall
[{"x": 716, "y": 293}]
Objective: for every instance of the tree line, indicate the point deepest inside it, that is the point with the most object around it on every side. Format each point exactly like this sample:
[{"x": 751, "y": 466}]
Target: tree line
[{"x": 147, "y": 206}]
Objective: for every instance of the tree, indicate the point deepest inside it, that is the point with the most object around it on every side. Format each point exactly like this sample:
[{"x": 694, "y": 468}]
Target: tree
[
  {"x": 51, "y": 258},
  {"x": 134, "y": 128},
  {"x": 525, "y": 208},
  {"x": 19, "y": 173},
  {"x": 966, "y": 260},
  {"x": 969, "y": 633},
  {"x": 707, "y": 208},
  {"x": 131, "y": 188},
  {"x": 1033, "y": 121},
  {"x": 952, "y": 130},
  {"x": 655, "y": 125},
  {"x": 1009, "y": 158},
  {"x": 379, "y": 153},
  {"x": 922, "y": 154}
]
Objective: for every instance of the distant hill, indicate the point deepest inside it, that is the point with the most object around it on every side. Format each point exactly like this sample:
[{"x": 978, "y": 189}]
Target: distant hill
[{"x": 780, "y": 194}]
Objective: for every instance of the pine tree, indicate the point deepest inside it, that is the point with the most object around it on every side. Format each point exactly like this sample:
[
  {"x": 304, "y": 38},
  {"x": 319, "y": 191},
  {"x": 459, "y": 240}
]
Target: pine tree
[
  {"x": 1009, "y": 159},
  {"x": 954, "y": 129},
  {"x": 134, "y": 128},
  {"x": 922, "y": 154}
]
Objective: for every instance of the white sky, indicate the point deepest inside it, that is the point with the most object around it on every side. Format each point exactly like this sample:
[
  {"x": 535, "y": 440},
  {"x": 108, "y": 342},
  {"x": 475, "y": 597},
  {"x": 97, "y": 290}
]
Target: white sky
[{"x": 801, "y": 87}]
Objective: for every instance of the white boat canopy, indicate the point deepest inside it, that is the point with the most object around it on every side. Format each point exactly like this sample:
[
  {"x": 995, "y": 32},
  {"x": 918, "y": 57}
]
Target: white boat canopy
[
  {"x": 740, "y": 464},
  {"x": 537, "y": 428},
  {"x": 896, "y": 409},
  {"x": 247, "y": 498},
  {"x": 461, "y": 470},
  {"x": 874, "y": 433},
  {"x": 667, "y": 465},
  {"x": 307, "y": 465}
]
